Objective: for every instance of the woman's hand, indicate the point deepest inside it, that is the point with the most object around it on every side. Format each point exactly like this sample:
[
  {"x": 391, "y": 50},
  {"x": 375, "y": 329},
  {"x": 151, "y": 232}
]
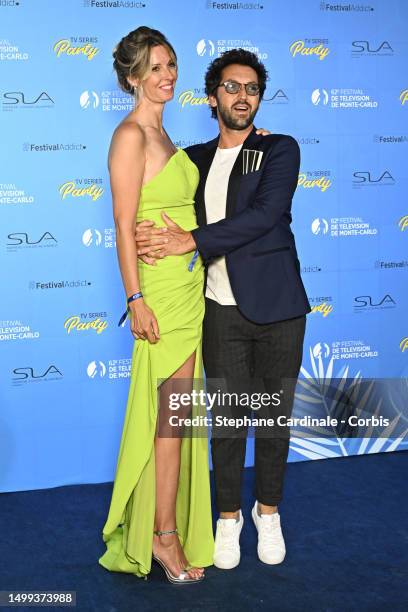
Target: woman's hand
[
  {"x": 149, "y": 241},
  {"x": 263, "y": 132},
  {"x": 143, "y": 323}
]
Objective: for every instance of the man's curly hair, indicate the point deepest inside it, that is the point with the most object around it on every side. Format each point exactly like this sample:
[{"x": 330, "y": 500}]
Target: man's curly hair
[{"x": 234, "y": 56}]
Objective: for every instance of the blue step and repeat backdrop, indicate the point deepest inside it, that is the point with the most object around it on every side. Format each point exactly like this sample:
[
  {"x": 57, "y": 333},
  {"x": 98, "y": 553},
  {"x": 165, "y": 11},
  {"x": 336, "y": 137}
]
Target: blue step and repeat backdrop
[{"x": 338, "y": 84}]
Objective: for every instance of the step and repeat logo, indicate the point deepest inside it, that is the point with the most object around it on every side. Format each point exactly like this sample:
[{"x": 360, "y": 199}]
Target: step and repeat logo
[
  {"x": 108, "y": 100},
  {"x": 318, "y": 180},
  {"x": 27, "y": 100},
  {"x": 12, "y": 194},
  {"x": 77, "y": 46},
  {"x": 113, "y": 369},
  {"x": 340, "y": 227},
  {"x": 88, "y": 321},
  {"x": 11, "y": 52},
  {"x": 310, "y": 47},
  {"x": 344, "y": 98},
  {"x": 28, "y": 375},
  {"x": 17, "y": 241},
  {"x": 403, "y": 223},
  {"x": 105, "y": 238},
  {"x": 83, "y": 189}
]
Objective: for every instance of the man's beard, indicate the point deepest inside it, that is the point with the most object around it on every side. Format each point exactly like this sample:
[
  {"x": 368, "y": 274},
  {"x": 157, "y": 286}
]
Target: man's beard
[{"x": 235, "y": 123}]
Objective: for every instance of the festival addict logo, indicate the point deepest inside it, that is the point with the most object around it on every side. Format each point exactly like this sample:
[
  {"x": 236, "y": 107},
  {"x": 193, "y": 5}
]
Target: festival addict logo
[
  {"x": 114, "y": 4},
  {"x": 340, "y": 227},
  {"x": 315, "y": 179},
  {"x": 87, "y": 321},
  {"x": 205, "y": 47},
  {"x": 94, "y": 238},
  {"x": 391, "y": 265},
  {"x": 387, "y": 139},
  {"x": 234, "y": 6},
  {"x": 77, "y": 46},
  {"x": 59, "y": 284},
  {"x": 308, "y": 140},
  {"x": 52, "y": 147},
  {"x": 310, "y": 47},
  {"x": 349, "y": 7},
  {"x": 82, "y": 188},
  {"x": 310, "y": 269}
]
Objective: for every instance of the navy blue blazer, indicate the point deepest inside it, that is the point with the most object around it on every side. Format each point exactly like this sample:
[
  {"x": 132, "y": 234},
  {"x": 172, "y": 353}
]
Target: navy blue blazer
[{"x": 255, "y": 237}]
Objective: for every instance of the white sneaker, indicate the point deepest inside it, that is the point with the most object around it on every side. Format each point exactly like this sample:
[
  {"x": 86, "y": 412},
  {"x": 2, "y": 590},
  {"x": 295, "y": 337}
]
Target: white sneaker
[
  {"x": 227, "y": 553},
  {"x": 271, "y": 545}
]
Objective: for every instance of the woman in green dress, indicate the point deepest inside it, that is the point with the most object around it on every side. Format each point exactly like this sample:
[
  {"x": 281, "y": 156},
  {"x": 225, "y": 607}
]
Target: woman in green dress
[{"x": 160, "y": 506}]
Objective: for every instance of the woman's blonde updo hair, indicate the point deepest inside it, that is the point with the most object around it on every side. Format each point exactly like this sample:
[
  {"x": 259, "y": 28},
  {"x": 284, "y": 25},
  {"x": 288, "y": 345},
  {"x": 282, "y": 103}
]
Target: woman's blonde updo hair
[{"x": 132, "y": 56}]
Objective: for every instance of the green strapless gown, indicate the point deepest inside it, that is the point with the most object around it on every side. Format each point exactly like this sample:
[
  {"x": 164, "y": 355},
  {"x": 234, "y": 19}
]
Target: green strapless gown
[{"x": 175, "y": 295}]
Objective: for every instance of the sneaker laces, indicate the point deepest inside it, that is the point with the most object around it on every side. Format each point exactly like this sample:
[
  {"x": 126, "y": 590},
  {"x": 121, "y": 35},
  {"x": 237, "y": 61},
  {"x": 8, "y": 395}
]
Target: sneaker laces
[
  {"x": 227, "y": 535},
  {"x": 270, "y": 529}
]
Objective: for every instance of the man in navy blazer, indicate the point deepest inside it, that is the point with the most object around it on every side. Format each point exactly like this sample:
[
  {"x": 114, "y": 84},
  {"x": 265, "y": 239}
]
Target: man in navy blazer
[
  {"x": 256, "y": 304},
  {"x": 261, "y": 257}
]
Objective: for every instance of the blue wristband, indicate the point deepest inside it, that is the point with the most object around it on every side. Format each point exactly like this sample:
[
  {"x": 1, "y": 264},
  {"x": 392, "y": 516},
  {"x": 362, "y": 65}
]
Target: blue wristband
[
  {"x": 193, "y": 260},
  {"x": 123, "y": 318}
]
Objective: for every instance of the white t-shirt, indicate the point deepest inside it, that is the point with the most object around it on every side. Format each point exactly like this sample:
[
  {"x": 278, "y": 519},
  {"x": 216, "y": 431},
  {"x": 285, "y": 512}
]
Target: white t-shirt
[{"x": 215, "y": 196}]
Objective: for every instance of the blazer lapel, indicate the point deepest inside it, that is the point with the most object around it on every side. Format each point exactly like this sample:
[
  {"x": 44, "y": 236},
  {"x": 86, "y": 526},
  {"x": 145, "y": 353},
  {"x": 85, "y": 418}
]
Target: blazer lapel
[{"x": 204, "y": 165}]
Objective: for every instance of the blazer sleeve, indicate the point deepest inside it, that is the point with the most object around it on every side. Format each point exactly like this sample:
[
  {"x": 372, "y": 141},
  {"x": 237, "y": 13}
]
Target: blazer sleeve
[{"x": 273, "y": 199}]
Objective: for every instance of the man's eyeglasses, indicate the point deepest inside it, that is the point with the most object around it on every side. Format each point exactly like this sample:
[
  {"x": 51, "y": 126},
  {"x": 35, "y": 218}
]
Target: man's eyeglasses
[{"x": 233, "y": 87}]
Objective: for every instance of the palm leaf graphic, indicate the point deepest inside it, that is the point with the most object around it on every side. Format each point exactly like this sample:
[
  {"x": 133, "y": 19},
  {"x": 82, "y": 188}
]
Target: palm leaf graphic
[{"x": 316, "y": 396}]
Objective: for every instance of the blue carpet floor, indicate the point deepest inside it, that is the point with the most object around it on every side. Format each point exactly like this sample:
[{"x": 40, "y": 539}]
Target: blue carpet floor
[{"x": 345, "y": 526}]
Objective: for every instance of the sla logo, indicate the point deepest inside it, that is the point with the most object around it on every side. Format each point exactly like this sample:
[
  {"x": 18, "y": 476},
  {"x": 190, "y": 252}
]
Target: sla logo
[
  {"x": 96, "y": 368},
  {"x": 366, "y": 177},
  {"x": 403, "y": 223},
  {"x": 363, "y": 46},
  {"x": 321, "y": 349},
  {"x": 205, "y": 46},
  {"x": 404, "y": 96},
  {"x": 27, "y": 373},
  {"x": 91, "y": 237},
  {"x": 89, "y": 99},
  {"x": 320, "y": 226},
  {"x": 320, "y": 96}
]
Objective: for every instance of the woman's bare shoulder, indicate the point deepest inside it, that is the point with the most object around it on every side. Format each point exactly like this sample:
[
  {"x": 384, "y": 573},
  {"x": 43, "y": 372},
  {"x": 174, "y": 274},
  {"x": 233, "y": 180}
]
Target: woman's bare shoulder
[{"x": 127, "y": 131}]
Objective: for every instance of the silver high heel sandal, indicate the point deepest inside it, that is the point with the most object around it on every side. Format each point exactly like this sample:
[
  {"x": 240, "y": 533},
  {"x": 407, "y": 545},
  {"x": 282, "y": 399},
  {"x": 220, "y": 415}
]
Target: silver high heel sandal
[{"x": 183, "y": 577}]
